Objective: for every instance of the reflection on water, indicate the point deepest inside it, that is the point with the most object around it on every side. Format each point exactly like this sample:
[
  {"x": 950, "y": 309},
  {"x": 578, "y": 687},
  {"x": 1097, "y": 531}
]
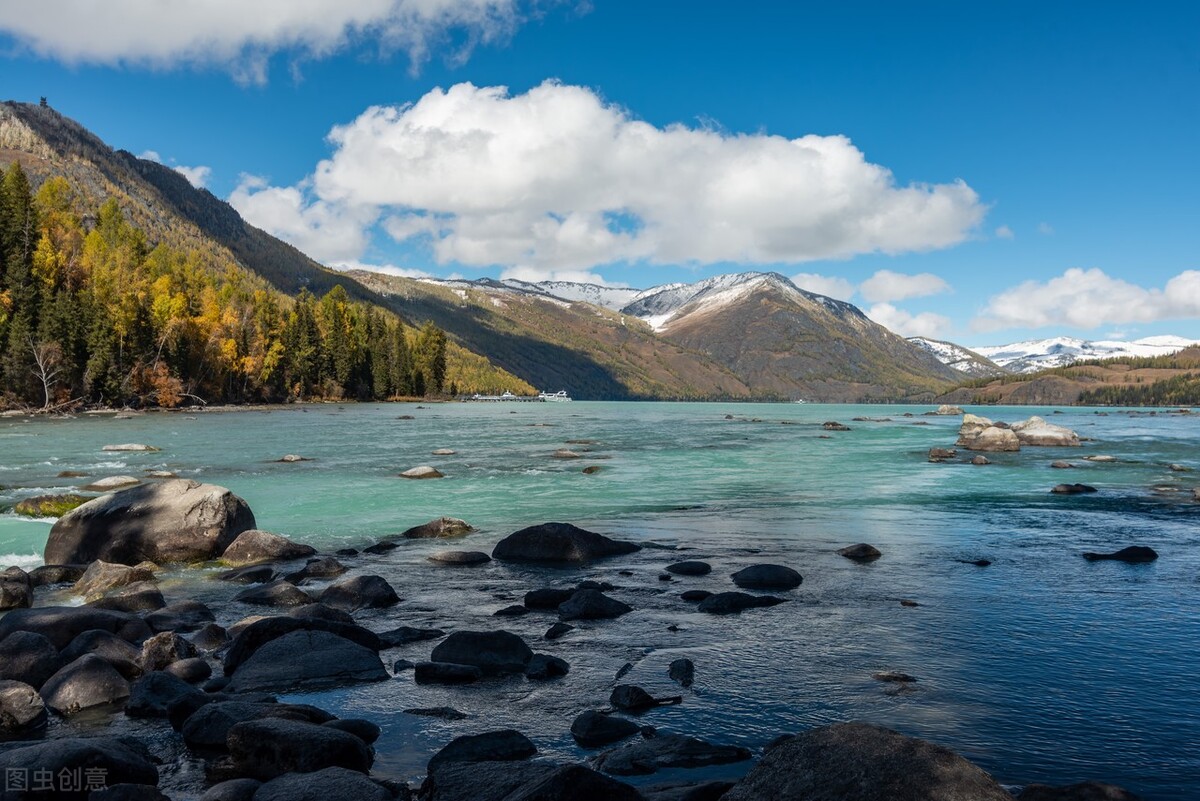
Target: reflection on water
[{"x": 1040, "y": 667}]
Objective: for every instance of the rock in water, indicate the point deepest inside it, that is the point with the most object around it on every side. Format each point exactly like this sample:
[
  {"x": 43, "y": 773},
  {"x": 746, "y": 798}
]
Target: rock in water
[
  {"x": 594, "y": 729},
  {"x": 164, "y": 522},
  {"x": 490, "y": 651},
  {"x": 1036, "y": 431},
  {"x": 690, "y": 568},
  {"x": 254, "y": 547},
  {"x": 676, "y": 751},
  {"x": 101, "y": 576},
  {"x": 21, "y": 708},
  {"x": 119, "y": 760},
  {"x": 264, "y": 749},
  {"x": 861, "y": 552},
  {"x": 592, "y": 605},
  {"x": 110, "y": 483},
  {"x": 424, "y": 471},
  {"x": 682, "y": 671},
  {"x": 505, "y": 745},
  {"x": 87, "y": 682},
  {"x": 307, "y": 660},
  {"x": 49, "y": 505},
  {"x": 28, "y": 658},
  {"x": 62, "y": 624},
  {"x": 360, "y": 592},
  {"x": 860, "y": 762},
  {"x": 730, "y": 603},
  {"x": 1084, "y": 791},
  {"x": 460, "y": 558},
  {"x": 767, "y": 577},
  {"x": 130, "y": 446},
  {"x": 559, "y": 542},
  {"x": 329, "y": 784},
  {"x": 1134, "y": 554},
  {"x": 575, "y": 783},
  {"x": 16, "y": 589},
  {"x": 439, "y": 528},
  {"x": 1072, "y": 489}
]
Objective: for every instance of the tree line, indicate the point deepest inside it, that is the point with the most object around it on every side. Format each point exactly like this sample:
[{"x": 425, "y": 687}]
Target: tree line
[{"x": 93, "y": 313}]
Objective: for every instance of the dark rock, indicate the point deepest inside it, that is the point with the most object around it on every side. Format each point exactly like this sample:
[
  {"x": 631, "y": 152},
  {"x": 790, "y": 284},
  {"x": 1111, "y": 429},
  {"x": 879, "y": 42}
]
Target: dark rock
[
  {"x": 942, "y": 454},
  {"x": 364, "y": 730},
  {"x": 87, "y": 682},
  {"x": 275, "y": 593},
  {"x": 665, "y": 577},
  {"x": 102, "y": 576},
  {"x": 403, "y": 635},
  {"x": 682, "y": 671},
  {"x": 631, "y": 698},
  {"x": 592, "y": 605},
  {"x": 979, "y": 460},
  {"x": 215, "y": 684},
  {"x": 164, "y": 649},
  {"x": 589, "y": 584},
  {"x": 624, "y": 670},
  {"x": 729, "y": 603},
  {"x": 515, "y": 610},
  {"x": 1084, "y": 791},
  {"x": 976, "y": 562},
  {"x": 445, "y": 673},
  {"x": 346, "y": 552},
  {"x": 128, "y": 792},
  {"x": 360, "y": 592},
  {"x": 61, "y": 624},
  {"x": 329, "y": 784},
  {"x": 255, "y": 574},
  {"x": 543, "y": 666},
  {"x": 232, "y": 790},
  {"x": 694, "y": 595},
  {"x": 193, "y": 670},
  {"x": 28, "y": 657},
  {"x": 441, "y": 528},
  {"x": 1072, "y": 489},
  {"x": 320, "y": 567},
  {"x": 254, "y": 547},
  {"x": 118, "y": 760},
  {"x": 894, "y": 677},
  {"x": 547, "y": 598},
  {"x": 161, "y": 522},
  {"x": 674, "y": 791},
  {"x": 124, "y": 656},
  {"x": 460, "y": 558},
  {"x": 490, "y": 651},
  {"x": 381, "y": 548},
  {"x": 908, "y": 602},
  {"x": 557, "y": 630},
  {"x": 141, "y": 596},
  {"x": 56, "y": 574},
  {"x": 767, "y": 577},
  {"x": 558, "y": 543},
  {"x": 495, "y": 746},
  {"x": 1061, "y": 465},
  {"x": 595, "y": 729},
  {"x": 690, "y": 568},
  {"x": 153, "y": 694},
  {"x": 592, "y": 469},
  {"x": 671, "y": 751},
  {"x": 261, "y": 632},
  {"x": 269, "y": 747},
  {"x": 575, "y": 783},
  {"x": 21, "y": 708},
  {"x": 401, "y": 665},
  {"x": 860, "y": 762},
  {"x": 210, "y": 638},
  {"x": 1134, "y": 554},
  {"x": 834, "y": 426},
  {"x": 207, "y": 729},
  {"x": 482, "y": 781},
  {"x": 182, "y": 616},
  {"x": 443, "y": 712},
  {"x": 16, "y": 589},
  {"x": 307, "y": 660},
  {"x": 861, "y": 552}
]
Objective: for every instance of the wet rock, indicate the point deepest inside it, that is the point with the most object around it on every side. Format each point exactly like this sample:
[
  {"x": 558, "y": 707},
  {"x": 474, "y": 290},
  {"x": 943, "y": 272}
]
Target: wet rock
[
  {"x": 181, "y": 616},
  {"x": 624, "y": 670},
  {"x": 424, "y": 471},
  {"x": 160, "y": 474},
  {"x": 21, "y": 708},
  {"x": 141, "y": 596},
  {"x": 942, "y": 454},
  {"x": 360, "y": 592},
  {"x": 767, "y": 577},
  {"x": 163, "y": 522},
  {"x": 403, "y": 635},
  {"x": 270, "y": 747},
  {"x": 460, "y": 558},
  {"x": 307, "y": 660},
  {"x": 120, "y": 761},
  {"x": 329, "y": 784},
  {"x": 255, "y": 547},
  {"x": 860, "y": 762},
  {"x": 102, "y": 576},
  {"x": 592, "y": 469},
  {"x": 49, "y": 505},
  {"x": 908, "y": 602},
  {"x": 557, "y": 630},
  {"x": 130, "y": 447},
  {"x": 558, "y": 543},
  {"x": 1072, "y": 489},
  {"x": 547, "y": 598},
  {"x": 515, "y": 610},
  {"x": 1179, "y": 468},
  {"x": 443, "y": 712},
  {"x": 260, "y": 632},
  {"x": 364, "y": 730},
  {"x": 682, "y": 671},
  {"x": 544, "y": 666},
  {"x": 631, "y": 698},
  {"x": 1036, "y": 431},
  {"x": 505, "y": 745},
  {"x": 61, "y": 624},
  {"x": 379, "y": 548},
  {"x": 894, "y": 677},
  {"x": 87, "y": 682},
  {"x": 686, "y": 791},
  {"x": 233, "y": 790},
  {"x": 575, "y": 783},
  {"x": 152, "y": 695},
  {"x": 293, "y": 457},
  {"x": 861, "y": 552},
  {"x": 1083, "y": 791},
  {"x": 257, "y": 574},
  {"x": 595, "y": 729},
  {"x": 976, "y": 562},
  {"x": 1061, "y": 465},
  {"x": 16, "y": 590},
  {"x": 670, "y": 751},
  {"x": 948, "y": 409},
  {"x": 122, "y": 655},
  {"x": 110, "y": 483},
  {"x": 730, "y": 603},
  {"x": 491, "y": 651},
  {"x": 28, "y": 657},
  {"x": 1134, "y": 554},
  {"x": 1101, "y": 458},
  {"x": 592, "y": 605},
  {"x": 443, "y": 452},
  {"x": 980, "y": 460},
  {"x": 210, "y": 638},
  {"x": 834, "y": 426},
  {"x": 320, "y": 567},
  {"x": 442, "y": 527},
  {"x": 56, "y": 574},
  {"x": 193, "y": 670},
  {"x": 564, "y": 453},
  {"x": 694, "y": 595},
  {"x": 445, "y": 673},
  {"x": 278, "y": 593},
  {"x": 207, "y": 728},
  {"x": 690, "y": 568}
]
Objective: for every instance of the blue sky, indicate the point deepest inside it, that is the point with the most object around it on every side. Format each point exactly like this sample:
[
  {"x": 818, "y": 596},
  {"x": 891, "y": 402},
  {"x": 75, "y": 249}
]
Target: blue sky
[{"x": 1042, "y": 157}]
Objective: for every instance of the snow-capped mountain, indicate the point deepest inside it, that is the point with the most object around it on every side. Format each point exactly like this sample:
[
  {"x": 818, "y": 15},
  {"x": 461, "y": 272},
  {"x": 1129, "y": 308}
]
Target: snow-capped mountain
[
  {"x": 1040, "y": 354},
  {"x": 610, "y": 297},
  {"x": 962, "y": 359}
]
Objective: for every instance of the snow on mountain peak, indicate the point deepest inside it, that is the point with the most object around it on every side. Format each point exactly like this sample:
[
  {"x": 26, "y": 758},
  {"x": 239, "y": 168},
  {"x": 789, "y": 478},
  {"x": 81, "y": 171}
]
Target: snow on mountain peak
[{"x": 1040, "y": 354}]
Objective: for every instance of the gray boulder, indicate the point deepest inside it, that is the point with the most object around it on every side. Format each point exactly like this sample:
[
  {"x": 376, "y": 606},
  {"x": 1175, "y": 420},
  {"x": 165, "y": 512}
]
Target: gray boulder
[
  {"x": 593, "y": 729},
  {"x": 28, "y": 657},
  {"x": 505, "y": 745},
  {"x": 860, "y": 553},
  {"x": 592, "y": 605},
  {"x": 441, "y": 528},
  {"x": 192, "y": 670},
  {"x": 260, "y": 632},
  {"x": 16, "y": 589},
  {"x": 730, "y": 603},
  {"x": 141, "y": 596},
  {"x": 61, "y": 624},
  {"x": 460, "y": 558},
  {"x": 328, "y": 784},
  {"x": 318, "y": 567},
  {"x": 559, "y": 543},
  {"x": 182, "y": 616},
  {"x": 281, "y": 594},
  {"x": 672, "y": 751},
  {"x": 767, "y": 577},
  {"x": 254, "y": 574},
  {"x": 207, "y": 728},
  {"x": 122, "y": 655},
  {"x": 690, "y": 568},
  {"x": 56, "y": 574},
  {"x": 1083, "y": 791},
  {"x": 360, "y": 592},
  {"x": 165, "y": 649},
  {"x": 307, "y": 660},
  {"x": 164, "y": 522},
  {"x": 270, "y": 747},
  {"x": 152, "y": 695},
  {"x": 491, "y": 651},
  {"x": 21, "y": 709},
  {"x": 255, "y": 547},
  {"x": 102, "y": 576},
  {"x": 87, "y": 682},
  {"x": 120, "y": 761}
]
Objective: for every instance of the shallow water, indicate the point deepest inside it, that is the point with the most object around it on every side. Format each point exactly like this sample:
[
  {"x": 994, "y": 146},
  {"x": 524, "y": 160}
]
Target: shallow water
[{"x": 1041, "y": 667}]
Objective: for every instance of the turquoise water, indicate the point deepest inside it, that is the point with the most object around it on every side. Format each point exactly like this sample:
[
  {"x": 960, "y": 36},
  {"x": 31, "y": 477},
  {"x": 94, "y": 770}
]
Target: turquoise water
[{"x": 1041, "y": 667}]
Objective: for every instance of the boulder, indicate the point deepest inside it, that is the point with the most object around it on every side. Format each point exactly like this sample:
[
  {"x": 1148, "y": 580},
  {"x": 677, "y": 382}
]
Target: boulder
[
  {"x": 592, "y": 605},
  {"x": 292, "y": 457},
  {"x": 833, "y": 425},
  {"x": 1059, "y": 464},
  {"x": 307, "y": 660},
  {"x": 686, "y": 791},
  {"x": 1072, "y": 489},
  {"x": 544, "y": 666},
  {"x": 16, "y": 589},
  {"x": 566, "y": 453},
  {"x": 595, "y": 729},
  {"x": 327, "y": 784},
  {"x": 730, "y": 603},
  {"x": 631, "y": 698},
  {"x": 403, "y": 635},
  {"x": 130, "y": 446},
  {"x": 979, "y": 460},
  {"x": 364, "y": 730},
  {"x": 110, "y": 483},
  {"x": 992, "y": 440},
  {"x": 491, "y": 651},
  {"x": 163, "y": 522},
  {"x": 21, "y": 709},
  {"x": 28, "y": 657},
  {"x": 557, "y": 630},
  {"x": 378, "y": 548},
  {"x": 1134, "y": 554},
  {"x": 210, "y": 637},
  {"x": 690, "y": 568},
  {"x": 767, "y": 577},
  {"x": 164, "y": 649},
  {"x": 87, "y": 682},
  {"x": 319, "y": 567},
  {"x": 207, "y": 728},
  {"x": 482, "y": 781},
  {"x": 547, "y": 598},
  {"x": 942, "y": 454},
  {"x": 258, "y": 633},
  {"x": 122, "y": 655},
  {"x": 257, "y": 574},
  {"x": 505, "y": 745},
  {"x": 460, "y": 558},
  {"x": 1083, "y": 791},
  {"x": 141, "y": 596},
  {"x": 861, "y": 762},
  {"x": 1036, "y": 431},
  {"x": 1102, "y": 458},
  {"x": 424, "y": 471},
  {"x": 102, "y": 576},
  {"x": 61, "y": 624},
  {"x": 49, "y": 505},
  {"x": 443, "y": 452},
  {"x": 360, "y": 592},
  {"x": 118, "y": 760},
  {"x": 270, "y": 747},
  {"x": 513, "y": 610},
  {"x": 673, "y": 751},
  {"x": 861, "y": 552},
  {"x": 947, "y": 409},
  {"x": 682, "y": 671},
  {"x": 56, "y": 574},
  {"x": 694, "y": 596},
  {"x": 558, "y": 543},
  {"x": 255, "y": 547},
  {"x": 181, "y": 616},
  {"x": 152, "y": 695},
  {"x": 236, "y": 790},
  {"x": 278, "y": 593},
  {"x": 193, "y": 670},
  {"x": 445, "y": 673},
  {"x": 441, "y": 528},
  {"x": 574, "y": 783},
  {"x": 128, "y": 792}
]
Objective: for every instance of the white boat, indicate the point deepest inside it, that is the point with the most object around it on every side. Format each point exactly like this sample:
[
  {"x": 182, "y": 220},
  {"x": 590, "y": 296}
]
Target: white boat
[{"x": 561, "y": 395}]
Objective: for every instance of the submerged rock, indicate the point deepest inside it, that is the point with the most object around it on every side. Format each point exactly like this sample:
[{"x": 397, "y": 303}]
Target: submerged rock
[
  {"x": 490, "y": 651},
  {"x": 460, "y": 558},
  {"x": 442, "y": 527},
  {"x": 632, "y": 698},
  {"x": 424, "y": 471},
  {"x": 307, "y": 660},
  {"x": 1072, "y": 489},
  {"x": 592, "y": 605},
  {"x": 130, "y": 447},
  {"x": 861, "y": 552},
  {"x": 690, "y": 568},
  {"x": 403, "y": 635},
  {"x": 445, "y": 673},
  {"x": 1083, "y": 791},
  {"x": 254, "y": 547},
  {"x": 1133, "y": 554},
  {"x": 682, "y": 671},
  {"x": 559, "y": 542},
  {"x": 49, "y": 505},
  {"x": 942, "y": 454},
  {"x": 595, "y": 729},
  {"x": 729, "y": 603},
  {"x": 672, "y": 751},
  {"x": 767, "y": 577}
]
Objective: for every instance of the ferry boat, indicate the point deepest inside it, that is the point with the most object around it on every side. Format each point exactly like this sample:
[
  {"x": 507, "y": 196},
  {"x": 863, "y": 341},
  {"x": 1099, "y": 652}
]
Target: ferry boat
[{"x": 561, "y": 395}]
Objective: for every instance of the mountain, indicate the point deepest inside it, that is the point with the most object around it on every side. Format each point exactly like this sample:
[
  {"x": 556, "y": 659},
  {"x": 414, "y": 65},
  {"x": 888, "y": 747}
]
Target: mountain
[
  {"x": 1040, "y": 354},
  {"x": 962, "y": 359}
]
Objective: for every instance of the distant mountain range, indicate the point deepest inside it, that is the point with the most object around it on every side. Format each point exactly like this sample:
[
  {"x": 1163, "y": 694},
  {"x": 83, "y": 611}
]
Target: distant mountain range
[{"x": 1040, "y": 354}]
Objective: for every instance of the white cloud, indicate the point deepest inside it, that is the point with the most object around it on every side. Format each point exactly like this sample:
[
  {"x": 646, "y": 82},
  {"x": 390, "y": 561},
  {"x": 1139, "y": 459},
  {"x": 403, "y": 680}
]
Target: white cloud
[
  {"x": 241, "y": 36},
  {"x": 556, "y": 179},
  {"x": 886, "y": 286},
  {"x": 830, "y": 286},
  {"x": 197, "y": 176},
  {"x": 386, "y": 269},
  {"x": 906, "y": 324},
  {"x": 1088, "y": 299},
  {"x": 1045, "y": 229},
  {"x": 1004, "y": 232},
  {"x": 151, "y": 155},
  {"x": 533, "y": 275},
  {"x": 327, "y": 232}
]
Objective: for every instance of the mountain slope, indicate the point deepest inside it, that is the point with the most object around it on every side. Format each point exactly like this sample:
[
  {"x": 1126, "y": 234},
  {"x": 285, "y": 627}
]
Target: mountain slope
[
  {"x": 962, "y": 359},
  {"x": 1039, "y": 354}
]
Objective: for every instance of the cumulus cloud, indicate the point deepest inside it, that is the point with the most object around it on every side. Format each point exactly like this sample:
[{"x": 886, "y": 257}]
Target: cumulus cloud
[
  {"x": 556, "y": 179},
  {"x": 197, "y": 176},
  {"x": 907, "y": 324},
  {"x": 1090, "y": 299},
  {"x": 242, "y": 36},
  {"x": 329, "y": 232},
  {"x": 386, "y": 269},
  {"x": 828, "y": 285},
  {"x": 1004, "y": 232},
  {"x": 886, "y": 286}
]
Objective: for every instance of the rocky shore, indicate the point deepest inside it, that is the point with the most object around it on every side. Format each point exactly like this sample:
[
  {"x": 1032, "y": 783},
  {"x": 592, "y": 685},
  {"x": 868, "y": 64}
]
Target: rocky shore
[{"x": 203, "y": 678}]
